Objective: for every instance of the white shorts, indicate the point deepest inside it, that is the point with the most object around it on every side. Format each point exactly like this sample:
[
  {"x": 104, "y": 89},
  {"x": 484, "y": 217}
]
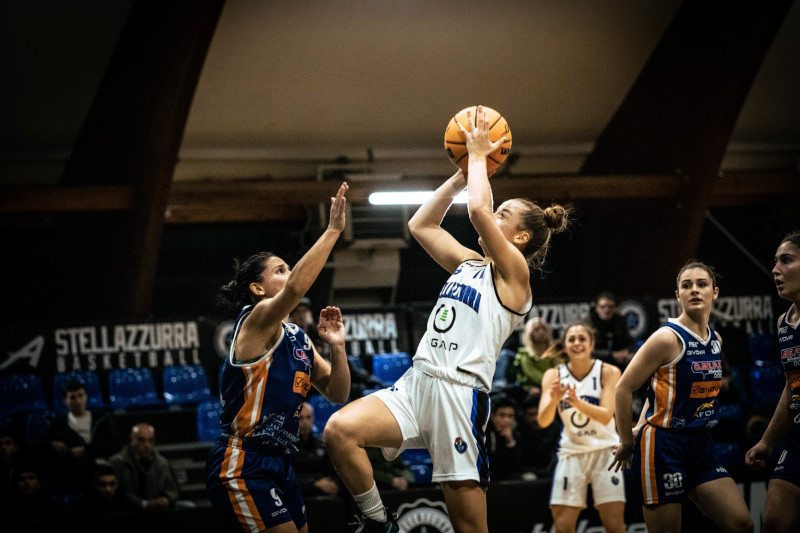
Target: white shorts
[
  {"x": 447, "y": 418},
  {"x": 574, "y": 472}
]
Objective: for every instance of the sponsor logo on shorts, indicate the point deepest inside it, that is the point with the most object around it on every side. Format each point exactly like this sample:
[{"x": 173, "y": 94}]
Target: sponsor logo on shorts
[
  {"x": 460, "y": 445},
  {"x": 722, "y": 470},
  {"x": 615, "y": 480}
]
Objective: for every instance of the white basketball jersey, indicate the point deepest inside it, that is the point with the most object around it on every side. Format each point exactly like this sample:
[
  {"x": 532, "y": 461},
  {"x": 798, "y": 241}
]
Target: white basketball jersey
[
  {"x": 467, "y": 327},
  {"x": 582, "y": 434}
]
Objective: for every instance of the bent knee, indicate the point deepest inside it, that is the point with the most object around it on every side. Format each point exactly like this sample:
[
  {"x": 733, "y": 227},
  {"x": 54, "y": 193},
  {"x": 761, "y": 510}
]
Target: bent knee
[
  {"x": 742, "y": 524},
  {"x": 339, "y": 429}
]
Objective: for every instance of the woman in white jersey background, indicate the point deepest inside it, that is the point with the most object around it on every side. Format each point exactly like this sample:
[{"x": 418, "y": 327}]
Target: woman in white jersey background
[
  {"x": 442, "y": 402},
  {"x": 581, "y": 391},
  {"x": 671, "y": 456}
]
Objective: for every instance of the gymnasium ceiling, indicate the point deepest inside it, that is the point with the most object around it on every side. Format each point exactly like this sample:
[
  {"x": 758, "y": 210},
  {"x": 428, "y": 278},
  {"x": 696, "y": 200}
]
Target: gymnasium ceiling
[{"x": 292, "y": 95}]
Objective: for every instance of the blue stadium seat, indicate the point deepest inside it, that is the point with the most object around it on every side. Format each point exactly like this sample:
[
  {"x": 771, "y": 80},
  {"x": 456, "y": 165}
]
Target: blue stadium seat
[
  {"x": 389, "y": 367},
  {"x": 36, "y": 423},
  {"x": 422, "y": 473},
  {"x": 729, "y": 453},
  {"x": 355, "y": 362},
  {"x": 66, "y": 501},
  {"x": 323, "y": 409},
  {"x": 22, "y": 393},
  {"x": 763, "y": 347},
  {"x": 208, "y": 428},
  {"x": 91, "y": 383},
  {"x": 131, "y": 388},
  {"x": 767, "y": 382},
  {"x": 185, "y": 384},
  {"x": 367, "y": 392},
  {"x": 415, "y": 456}
]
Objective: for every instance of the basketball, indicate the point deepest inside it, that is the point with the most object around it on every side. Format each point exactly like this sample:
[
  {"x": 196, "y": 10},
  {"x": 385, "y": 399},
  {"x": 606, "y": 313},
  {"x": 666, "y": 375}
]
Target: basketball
[{"x": 455, "y": 143}]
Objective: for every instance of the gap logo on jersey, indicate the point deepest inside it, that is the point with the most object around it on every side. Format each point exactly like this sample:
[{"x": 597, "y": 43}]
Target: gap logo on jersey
[{"x": 462, "y": 293}]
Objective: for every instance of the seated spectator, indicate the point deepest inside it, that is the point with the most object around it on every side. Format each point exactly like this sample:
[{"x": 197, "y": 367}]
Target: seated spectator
[
  {"x": 29, "y": 501},
  {"x": 538, "y": 445},
  {"x": 10, "y": 456},
  {"x": 502, "y": 440},
  {"x": 505, "y": 359},
  {"x": 530, "y": 362},
  {"x": 144, "y": 473},
  {"x": 73, "y": 441},
  {"x": 389, "y": 474},
  {"x": 303, "y": 316},
  {"x": 104, "y": 496},
  {"x": 614, "y": 342},
  {"x": 311, "y": 464}
]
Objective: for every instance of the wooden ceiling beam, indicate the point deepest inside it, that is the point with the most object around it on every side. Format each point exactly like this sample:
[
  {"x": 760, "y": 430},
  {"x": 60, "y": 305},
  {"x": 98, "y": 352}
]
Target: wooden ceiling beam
[{"x": 193, "y": 202}]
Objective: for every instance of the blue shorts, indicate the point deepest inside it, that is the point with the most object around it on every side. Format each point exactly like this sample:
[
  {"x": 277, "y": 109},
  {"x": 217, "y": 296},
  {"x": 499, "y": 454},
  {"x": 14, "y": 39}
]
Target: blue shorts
[
  {"x": 787, "y": 460},
  {"x": 667, "y": 464},
  {"x": 253, "y": 488}
]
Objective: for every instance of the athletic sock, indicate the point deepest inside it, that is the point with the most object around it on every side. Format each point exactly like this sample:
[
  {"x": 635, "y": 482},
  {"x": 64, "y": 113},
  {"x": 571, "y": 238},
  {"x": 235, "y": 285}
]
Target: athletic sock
[{"x": 370, "y": 504}]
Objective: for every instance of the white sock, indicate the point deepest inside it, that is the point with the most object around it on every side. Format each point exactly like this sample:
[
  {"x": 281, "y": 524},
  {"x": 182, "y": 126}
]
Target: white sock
[{"x": 370, "y": 504}]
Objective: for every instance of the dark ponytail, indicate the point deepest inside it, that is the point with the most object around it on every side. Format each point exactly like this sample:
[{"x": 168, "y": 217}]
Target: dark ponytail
[{"x": 235, "y": 294}]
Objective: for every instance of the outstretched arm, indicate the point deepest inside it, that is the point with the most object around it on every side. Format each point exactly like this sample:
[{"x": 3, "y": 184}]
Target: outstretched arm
[
  {"x": 510, "y": 264},
  {"x": 332, "y": 380},
  {"x": 266, "y": 317},
  {"x": 426, "y": 226}
]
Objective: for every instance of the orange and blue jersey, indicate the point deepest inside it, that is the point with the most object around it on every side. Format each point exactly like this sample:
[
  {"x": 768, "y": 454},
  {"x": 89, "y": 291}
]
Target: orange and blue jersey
[
  {"x": 674, "y": 452},
  {"x": 249, "y": 475},
  {"x": 683, "y": 393},
  {"x": 789, "y": 345},
  {"x": 262, "y": 398}
]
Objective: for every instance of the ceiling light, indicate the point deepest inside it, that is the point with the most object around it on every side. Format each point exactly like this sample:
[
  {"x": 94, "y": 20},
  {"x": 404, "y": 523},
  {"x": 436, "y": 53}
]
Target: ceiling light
[{"x": 409, "y": 197}]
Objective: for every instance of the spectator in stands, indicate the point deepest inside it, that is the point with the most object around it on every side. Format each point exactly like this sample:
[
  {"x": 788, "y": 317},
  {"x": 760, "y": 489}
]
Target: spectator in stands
[
  {"x": 505, "y": 360},
  {"x": 538, "y": 445},
  {"x": 503, "y": 440},
  {"x": 73, "y": 441},
  {"x": 10, "y": 456},
  {"x": 614, "y": 343},
  {"x": 144, "y": 473},
  {"x": 530, "y": 361},
  {"x": 311, "y": 463},
  {"x": 303, "y": 316},
  {"x": 104, "y": 496},
  {"x": 394, "y": 474},
  {"x": 29, "y": 501}
]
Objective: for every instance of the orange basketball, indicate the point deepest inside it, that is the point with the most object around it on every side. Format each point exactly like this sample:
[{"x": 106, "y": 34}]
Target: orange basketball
[{"x": 455, "y": 143}]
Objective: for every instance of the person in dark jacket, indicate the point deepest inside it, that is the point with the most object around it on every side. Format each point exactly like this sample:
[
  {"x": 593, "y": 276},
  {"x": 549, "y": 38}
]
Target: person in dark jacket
[
  {"x": 104, "y": 496},
  {"x": 144, "y": 473},
  {"x": 503, "y": 441},
  {"x": 614, "y": 342},
  {"x": 74, "y": 441}
]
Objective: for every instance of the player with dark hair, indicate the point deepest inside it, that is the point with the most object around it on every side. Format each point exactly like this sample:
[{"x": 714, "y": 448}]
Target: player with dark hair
[
  {"x": 672, "y": 456},
  {"x": 781, "y": 512},
  {"x": 442, "y": 402},
  {"x": 264, "y": 382}
]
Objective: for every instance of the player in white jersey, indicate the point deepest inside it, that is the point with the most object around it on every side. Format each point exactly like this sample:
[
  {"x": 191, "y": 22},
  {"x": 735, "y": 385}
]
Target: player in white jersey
[
  {"x": 581, "y": 391},
  {"x": 442, "y": 402}
]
